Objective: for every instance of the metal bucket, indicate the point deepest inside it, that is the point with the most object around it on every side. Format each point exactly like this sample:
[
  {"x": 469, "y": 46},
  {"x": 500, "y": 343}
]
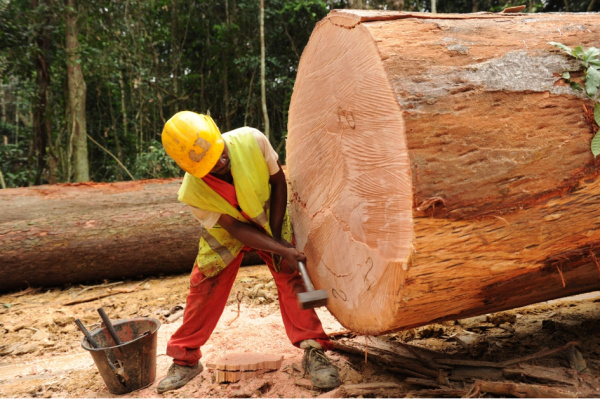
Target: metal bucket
[{"x": 131, "y": 365}]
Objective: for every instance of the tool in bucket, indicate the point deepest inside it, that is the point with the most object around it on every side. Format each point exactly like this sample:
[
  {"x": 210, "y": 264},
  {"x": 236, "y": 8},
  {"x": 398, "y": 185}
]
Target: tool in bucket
[
  {"x": 124, "y": 351},
  {"x": 118, "y": 366},
  {"x": 311, "y": 298},
  {"x": 117, "y": 369}
]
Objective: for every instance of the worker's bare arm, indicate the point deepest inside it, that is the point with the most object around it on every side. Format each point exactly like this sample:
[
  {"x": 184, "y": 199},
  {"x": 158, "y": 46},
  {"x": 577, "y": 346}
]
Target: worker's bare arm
[
  {"x": 253, "y": 237},
  {"x": 278, "y": 202}
]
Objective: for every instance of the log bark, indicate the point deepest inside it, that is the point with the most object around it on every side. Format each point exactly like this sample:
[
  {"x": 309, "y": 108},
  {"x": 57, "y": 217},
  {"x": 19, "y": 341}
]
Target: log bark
[
  {"x": 439, "y": 168},
  {"x": 73, "y": 233},
  {"x": 58, "y": 234}
]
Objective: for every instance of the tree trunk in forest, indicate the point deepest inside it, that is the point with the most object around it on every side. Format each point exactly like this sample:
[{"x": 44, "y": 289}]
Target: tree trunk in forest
[
  {"x": 439, "y": 168},
  {"x": 77, "y": 89},
  {"x": 17, "y": 101},
  {"x": 42, "y": 126},
  {"x": 3, "y": 97},
  {"x": 52, "y": 235},
  {"x": 124, "y": 121},
  {"x": 263, "y": 87}
]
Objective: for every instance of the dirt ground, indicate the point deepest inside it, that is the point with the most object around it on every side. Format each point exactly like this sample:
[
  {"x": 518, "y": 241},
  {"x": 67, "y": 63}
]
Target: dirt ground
[{"x": 41, "y": 353}]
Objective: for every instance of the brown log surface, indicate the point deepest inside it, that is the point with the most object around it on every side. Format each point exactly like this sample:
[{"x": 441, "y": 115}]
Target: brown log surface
[
  {"x": 439, "y": 168},
  {"x": 73, "y": 233}
]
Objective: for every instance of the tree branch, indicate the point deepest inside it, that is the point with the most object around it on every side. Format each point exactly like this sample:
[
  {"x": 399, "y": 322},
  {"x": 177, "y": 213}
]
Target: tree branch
[{"x": 112, "y": 155}]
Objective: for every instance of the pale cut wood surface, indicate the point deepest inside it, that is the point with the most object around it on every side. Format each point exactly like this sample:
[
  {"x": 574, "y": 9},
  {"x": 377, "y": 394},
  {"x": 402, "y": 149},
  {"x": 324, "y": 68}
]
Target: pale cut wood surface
[
  {"x": 242, "y": 366},
  {"x": 438, "y": 167}
]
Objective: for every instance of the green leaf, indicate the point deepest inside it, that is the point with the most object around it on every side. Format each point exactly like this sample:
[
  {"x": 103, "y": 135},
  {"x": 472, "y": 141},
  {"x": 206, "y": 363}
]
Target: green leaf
[
  {"x": 576, "y": 86},
  {"x": 562, "y": 47},
  {"x": 591, "y": 53},
  {"x": 7, "y": 305},
  {"x": 566, "y": 75},
  {"x": 597, "y": 113},
  {"x": 596, "y": 145},
  {"x": 578, "y": 52},
  {"x": 592, "y": 81}
]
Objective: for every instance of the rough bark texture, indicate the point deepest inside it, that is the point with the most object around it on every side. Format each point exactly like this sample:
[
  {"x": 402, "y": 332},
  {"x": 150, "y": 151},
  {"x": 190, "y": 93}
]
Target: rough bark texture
[
  {"x": 56, "y": 234},
  {"x": 77, "y": 90},
  {"x": 439, "y": 169}
]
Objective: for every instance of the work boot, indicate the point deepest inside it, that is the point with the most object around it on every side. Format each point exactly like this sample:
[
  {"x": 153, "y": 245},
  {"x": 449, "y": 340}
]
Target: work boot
[
  {"x": 178, "y": 376},
  {"x": 322, "y": 373}
]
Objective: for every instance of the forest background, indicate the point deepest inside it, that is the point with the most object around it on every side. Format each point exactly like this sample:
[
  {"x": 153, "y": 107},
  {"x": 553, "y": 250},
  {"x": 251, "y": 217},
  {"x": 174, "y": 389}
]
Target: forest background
[{"x": 87, "y": 85}]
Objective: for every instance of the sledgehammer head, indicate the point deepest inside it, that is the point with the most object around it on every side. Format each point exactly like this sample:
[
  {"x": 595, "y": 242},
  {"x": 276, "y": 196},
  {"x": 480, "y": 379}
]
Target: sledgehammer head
[{"x": 312, "y": 298}]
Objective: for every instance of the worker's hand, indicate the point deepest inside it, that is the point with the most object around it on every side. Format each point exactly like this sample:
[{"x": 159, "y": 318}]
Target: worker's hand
[{"x": 293, "y": 256}]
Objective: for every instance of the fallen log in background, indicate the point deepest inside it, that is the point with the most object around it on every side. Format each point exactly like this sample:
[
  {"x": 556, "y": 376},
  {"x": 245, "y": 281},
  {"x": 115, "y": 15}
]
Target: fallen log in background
[
  {"x": 56, "y": 234},
  {"x": 73, "y": 233},
  {"x": 439, "y": 168}
]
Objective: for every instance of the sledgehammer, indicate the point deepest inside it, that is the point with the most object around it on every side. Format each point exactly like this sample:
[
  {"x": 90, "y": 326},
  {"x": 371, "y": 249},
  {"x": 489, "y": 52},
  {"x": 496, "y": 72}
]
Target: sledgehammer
[{"x": 311, "y": 298}]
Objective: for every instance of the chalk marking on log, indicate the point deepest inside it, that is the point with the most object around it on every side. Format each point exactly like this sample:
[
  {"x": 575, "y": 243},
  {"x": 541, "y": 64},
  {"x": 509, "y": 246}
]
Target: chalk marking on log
[
  {"x": 366, "y": 280},
  {"x": 504, "y": 220},
  {"x": 345, "y": 113},
  {"x": 335, "y": 274},
  {"x": 561, "y": 276},
  {"x": 595, "y": 260},
  {"x": 339, "y": 294}
]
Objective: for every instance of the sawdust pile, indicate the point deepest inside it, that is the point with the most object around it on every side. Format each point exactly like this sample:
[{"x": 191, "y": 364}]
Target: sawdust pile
[{"x": 41, "y": 353}]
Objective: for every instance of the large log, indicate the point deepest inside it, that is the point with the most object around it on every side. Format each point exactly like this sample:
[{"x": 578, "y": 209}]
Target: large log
[
  {"x": 74, "y": 233},
  {"x": 53, "y": 235},
  {"x": 439, "y": 168}
]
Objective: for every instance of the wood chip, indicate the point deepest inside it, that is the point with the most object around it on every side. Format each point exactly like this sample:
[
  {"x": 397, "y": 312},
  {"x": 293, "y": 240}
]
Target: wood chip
[{"x": 241, "y": 366}]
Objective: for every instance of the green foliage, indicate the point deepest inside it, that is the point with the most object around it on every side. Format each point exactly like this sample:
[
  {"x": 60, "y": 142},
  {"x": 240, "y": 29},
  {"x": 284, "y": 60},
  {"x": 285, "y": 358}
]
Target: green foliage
[
  {"x": 15, "y": 166},
  {"x": 590, "y": 62},
  {"x": 145, "y": 60},
  {"x": 155, "y": 164},
  {"x": 570, "y": 5}
]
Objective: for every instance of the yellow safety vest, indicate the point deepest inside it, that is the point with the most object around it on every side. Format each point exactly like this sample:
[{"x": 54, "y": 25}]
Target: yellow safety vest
[{"x": 217, "y": 248}]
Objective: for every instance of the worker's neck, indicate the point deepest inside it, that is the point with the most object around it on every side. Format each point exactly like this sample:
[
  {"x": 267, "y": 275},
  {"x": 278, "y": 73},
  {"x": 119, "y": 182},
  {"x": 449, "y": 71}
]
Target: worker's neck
[{"x": 226, "y": 177}]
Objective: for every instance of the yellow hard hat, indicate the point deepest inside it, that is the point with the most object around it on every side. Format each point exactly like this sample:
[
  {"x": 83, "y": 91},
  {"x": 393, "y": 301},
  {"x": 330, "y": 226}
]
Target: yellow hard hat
[{"x": 193, "y": 141}]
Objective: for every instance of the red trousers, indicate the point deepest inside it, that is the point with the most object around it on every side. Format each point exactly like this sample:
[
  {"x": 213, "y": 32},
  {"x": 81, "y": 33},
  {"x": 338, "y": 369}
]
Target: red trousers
[{"x": 207, "y": 299}]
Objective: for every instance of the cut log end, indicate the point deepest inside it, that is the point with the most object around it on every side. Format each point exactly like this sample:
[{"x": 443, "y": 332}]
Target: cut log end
[{"x": 352, "y": 134}]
